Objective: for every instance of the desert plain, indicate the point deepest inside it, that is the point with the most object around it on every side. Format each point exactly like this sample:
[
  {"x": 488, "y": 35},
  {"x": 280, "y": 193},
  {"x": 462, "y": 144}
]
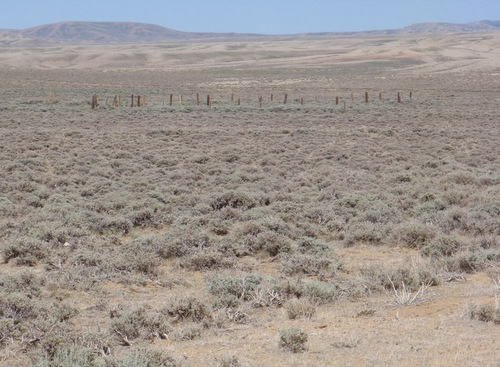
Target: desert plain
[{"x": 311, "y": 233}]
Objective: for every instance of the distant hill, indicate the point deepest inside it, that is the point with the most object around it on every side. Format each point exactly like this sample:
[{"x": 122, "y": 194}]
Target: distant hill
[
  {"x": 107, "y": 32},
  {"x": 127, "y": 32},
  {"x": 481, "y": 26},
  {"x": 484, "y": 25}
]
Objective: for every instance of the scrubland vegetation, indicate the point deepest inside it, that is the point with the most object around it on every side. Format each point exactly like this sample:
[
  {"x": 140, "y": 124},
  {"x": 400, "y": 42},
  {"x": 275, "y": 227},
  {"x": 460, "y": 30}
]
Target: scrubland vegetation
[{"x": 239, "y": 236}]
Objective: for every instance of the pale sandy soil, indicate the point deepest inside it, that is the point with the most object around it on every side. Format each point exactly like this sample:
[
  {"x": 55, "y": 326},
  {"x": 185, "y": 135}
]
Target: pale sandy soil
[{"x": 416, "y": 53}]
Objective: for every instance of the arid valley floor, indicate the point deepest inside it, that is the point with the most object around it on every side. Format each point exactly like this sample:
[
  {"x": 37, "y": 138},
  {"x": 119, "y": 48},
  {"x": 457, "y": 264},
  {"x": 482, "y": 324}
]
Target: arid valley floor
[{"x": 186, "y": 236}]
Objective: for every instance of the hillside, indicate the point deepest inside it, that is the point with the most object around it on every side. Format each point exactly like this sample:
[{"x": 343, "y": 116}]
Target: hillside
[
  {"x": 128, "y": 32},
  {"x": 106, "y": 33}
]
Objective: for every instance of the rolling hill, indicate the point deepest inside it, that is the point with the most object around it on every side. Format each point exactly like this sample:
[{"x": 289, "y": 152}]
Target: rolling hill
[{"x": 128, "y": 32}]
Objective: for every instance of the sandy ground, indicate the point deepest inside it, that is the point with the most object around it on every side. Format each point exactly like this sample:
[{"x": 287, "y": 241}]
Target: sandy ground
[{"x": 418, "y": 53}]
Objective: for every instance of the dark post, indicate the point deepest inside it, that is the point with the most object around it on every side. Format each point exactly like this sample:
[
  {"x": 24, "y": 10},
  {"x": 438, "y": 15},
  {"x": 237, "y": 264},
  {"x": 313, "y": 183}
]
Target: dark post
[
  {"x": 132, "y": 101},
  {"x": 399, "y": 97},
  {"x": 366, "y": 97},
  {"x": 197, "y": 99},
  {"x": 272, "y": 97},
  {"x": 286, "y": 98},
  {"x": 337, "y": 100}
]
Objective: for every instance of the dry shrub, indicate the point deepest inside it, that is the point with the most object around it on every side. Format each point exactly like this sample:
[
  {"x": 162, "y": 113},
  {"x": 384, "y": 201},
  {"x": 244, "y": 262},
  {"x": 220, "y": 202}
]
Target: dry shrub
[
  {"x": 443, "y": 246},
  {"x": 413, "y": 235},
  {"x": 187, "y": 309},
  {"x": 318, "y": 264},
  {"x": 25, "y": 251},
  {"x": 485, "y": 313},
  {"x": 130, "y": 325},
  {"x": 293, "y": 339},
  {"x": 411, "y": 278}
]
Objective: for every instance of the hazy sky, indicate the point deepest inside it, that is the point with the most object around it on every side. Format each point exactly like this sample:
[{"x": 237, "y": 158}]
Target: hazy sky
[{"x": 251, "y": 16}]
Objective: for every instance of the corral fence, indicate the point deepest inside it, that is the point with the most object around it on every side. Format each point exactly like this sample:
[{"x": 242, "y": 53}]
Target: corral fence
[{"x": 140, "y": 100}]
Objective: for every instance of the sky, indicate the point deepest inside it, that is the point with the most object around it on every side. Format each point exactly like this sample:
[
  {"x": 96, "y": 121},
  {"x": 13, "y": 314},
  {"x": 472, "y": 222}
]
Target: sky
[{"x": 250, "y": 16}]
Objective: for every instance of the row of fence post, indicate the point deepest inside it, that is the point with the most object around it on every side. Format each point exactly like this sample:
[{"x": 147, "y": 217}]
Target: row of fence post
[{"x": 141, "y": 100}]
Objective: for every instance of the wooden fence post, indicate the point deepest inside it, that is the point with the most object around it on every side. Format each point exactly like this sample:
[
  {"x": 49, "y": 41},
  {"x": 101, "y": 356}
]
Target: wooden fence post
[
  {"x": 337, "y": 100},
  {"x": 286, "y": 99},
  {"x": 51, "y": 98},
  {"x": 399, "y": 97},
  {"x": 171, "y": 99},
  {"x": 352, "y": 97},
  {"x": 272, "y": 97},
  {"x": 302, "y": 101},
  {"x": 132, "y": 101},
  {"x": 209, "y": 101},
  {"x": 197, "y": 99},
  {"x": 411, "y": 94},
  {"x": 260, "y": 102},
  {"x": 180, "y": 100},
  {"x": 94, "y": 101},
  {"x": 239, "y": 101},
  {"x": 380, "y": 96},
  {"x": 232, "y": 97},
  {"x": 366, "y": 97}
]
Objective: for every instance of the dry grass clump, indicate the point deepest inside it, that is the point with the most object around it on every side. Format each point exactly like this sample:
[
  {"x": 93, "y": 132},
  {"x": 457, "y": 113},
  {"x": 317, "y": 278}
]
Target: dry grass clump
[
  {"x": 405, "y": 297},
  {"x": 300, "y": 308}
]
